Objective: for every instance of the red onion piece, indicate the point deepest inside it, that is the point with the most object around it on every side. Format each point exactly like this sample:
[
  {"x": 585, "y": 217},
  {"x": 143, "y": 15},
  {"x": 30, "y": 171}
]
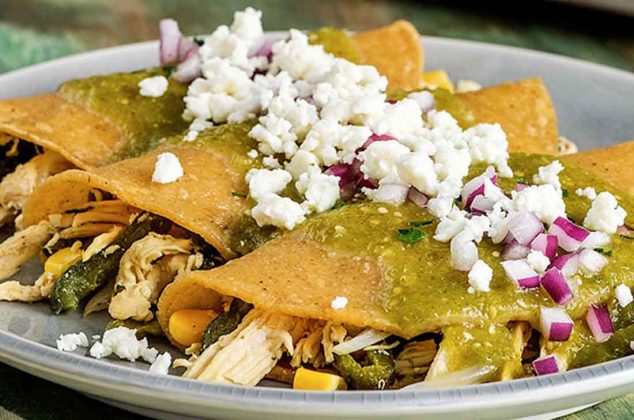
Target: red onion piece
[
  {"x": 569, "y": 235},
  {"x": 599, "y": 322},
  {"x": 525, "y": 226},
  {"x": 515, "y": 251},
  {"x": 475, "y": 187},
  {"x": 555, "y": 284},
  {"x": 568, "y": 264},
  {"x": 186, "y": 47},
  {"x": 481, "y": 205},
  {"x": 546, "y": 244},
  {"x": 521, "y": 273},
  {"x": 417, "y": 197},
  {"x": 546, "y": 365},
  {"x": 170, "y": 39},
  {"x": 556, "y": 324}
]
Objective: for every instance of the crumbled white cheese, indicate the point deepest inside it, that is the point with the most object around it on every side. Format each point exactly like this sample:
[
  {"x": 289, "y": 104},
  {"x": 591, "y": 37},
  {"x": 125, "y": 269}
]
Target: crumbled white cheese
[
  {"x": 339, "y": 302},
  {"x": 451, "y": 225},
  {"x": 488, "y": 143},
  {"x": 167, "y": 168},
  {"x": 605, "y": 215},
  {"x": 538, "y": 261},
  {"x": 266, "y": 181},
  {"x": 395, "y": 194},
  {"x": 543, "y": 200},
  {"x": 380, "y": 160},
  {"x": 464, "y": 252},
  {"x": 587, "y": 192},
  {"x": 70, "y": 342},
  {"x": 382, "y": 210},
  {"x": 191, "y": 135},
  {"x": 623, "y": 295},
  {"x": 321, "y": 191},
  {"x": 417, "y": 170},
  {"x": 424, "y": 99},
  {"x": 162, "y": 364},
  {"x": 252, "y": 154},
  {"x": 122, "y": 342},
  {"x": 153, "y": 87},
  {"x": 549, "y": 174},
  {"x": 275, "y": 210},
  {"x": 480, "y": 276},
  {"x": 303, "y": 163}
]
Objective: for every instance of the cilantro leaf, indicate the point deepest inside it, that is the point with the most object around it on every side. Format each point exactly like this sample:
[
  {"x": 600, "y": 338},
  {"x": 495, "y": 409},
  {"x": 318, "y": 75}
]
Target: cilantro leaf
[{"x": 410, "y": 235}]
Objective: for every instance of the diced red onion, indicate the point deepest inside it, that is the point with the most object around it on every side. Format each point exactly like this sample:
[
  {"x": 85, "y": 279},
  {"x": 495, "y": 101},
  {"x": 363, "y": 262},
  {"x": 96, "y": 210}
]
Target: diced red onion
[
  {"x": 364, "y": 182},
  {"x": 592, "y": 261},
  {"x": 520, "y": 186},
  {"x": 569, "y": 235},
  {"x": 475, "y": 187},
  {"x": 481, "y": 205},
  {"x": 568, "y": 264},
  {"x": 417, "y": 197},
  {"x": 515, "y": 251},
  {"x": 186, "y": 47},
  {"x": 546, "y": 244},
  {"x": 599, "y": 322},
  {"x": 521, "y": 273},
  {"x": 525, "y": 226},
  {"x": 556, "y": 324},
  {"x": 555, "y": 284},
  {"x": 546, "y": 365},
  {"x": 170, "y": 39}
]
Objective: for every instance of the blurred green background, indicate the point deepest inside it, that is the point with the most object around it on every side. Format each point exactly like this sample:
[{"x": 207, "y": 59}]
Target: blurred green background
[{"x": 32, "y": 31}]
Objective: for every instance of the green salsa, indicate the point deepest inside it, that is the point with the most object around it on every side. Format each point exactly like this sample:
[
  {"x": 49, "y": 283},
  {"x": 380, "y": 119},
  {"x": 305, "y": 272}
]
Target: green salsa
[
  {"x": 338, "y": 43},
  {"x": 427, "y": 294},
  {"x": 144, "y": 121}
]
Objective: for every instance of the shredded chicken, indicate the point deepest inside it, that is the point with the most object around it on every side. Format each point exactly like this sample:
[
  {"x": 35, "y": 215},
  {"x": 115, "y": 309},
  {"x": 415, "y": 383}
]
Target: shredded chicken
[
  {"x": 14, "y": 291},
  {"x": 145, "y": 269},
  {"x": 247, "y": 354},
  {"x": 333, "y": 334},
  {"x": 308, "y": 348},
  {"x": 101, "y": 242},
  {"x": 22, "y": 246},
  {"x": 17, "y": 187}
]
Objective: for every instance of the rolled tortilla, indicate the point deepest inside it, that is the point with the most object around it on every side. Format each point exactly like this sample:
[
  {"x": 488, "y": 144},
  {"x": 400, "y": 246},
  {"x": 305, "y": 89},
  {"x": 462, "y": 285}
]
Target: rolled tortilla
[{"x": 391, "y": 286}]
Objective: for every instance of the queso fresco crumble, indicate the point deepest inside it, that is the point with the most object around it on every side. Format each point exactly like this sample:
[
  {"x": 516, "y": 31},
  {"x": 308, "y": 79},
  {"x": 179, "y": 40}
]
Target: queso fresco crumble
[{"x": 322, "y": 118}]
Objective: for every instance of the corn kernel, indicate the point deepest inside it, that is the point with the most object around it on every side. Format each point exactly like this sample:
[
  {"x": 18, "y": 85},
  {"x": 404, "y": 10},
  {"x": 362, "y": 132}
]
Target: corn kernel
[
  {"x": 438, "y": 78},
  {"x": 188, "y": 325},
  {"x": 60, "y": 261},
  {"x": 311, "y": 380}
]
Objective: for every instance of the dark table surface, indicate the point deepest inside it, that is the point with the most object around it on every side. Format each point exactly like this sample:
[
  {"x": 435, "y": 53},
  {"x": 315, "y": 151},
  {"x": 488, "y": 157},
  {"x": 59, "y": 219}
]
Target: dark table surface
[{"x": 32, "y": 31}]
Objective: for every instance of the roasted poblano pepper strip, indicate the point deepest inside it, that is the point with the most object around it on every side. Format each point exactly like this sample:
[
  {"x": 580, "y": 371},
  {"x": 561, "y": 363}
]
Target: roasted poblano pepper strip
[
  {"x": 226, "y": 322},
  {"x": 617, "y": 346},
  {"x": 85, "y": 277},
  {"x": 211, "y": 256},
  {"x": 623, "y": 317},
  {"x": 142, "y": 328},
  {"x": 377, "y": 375}
]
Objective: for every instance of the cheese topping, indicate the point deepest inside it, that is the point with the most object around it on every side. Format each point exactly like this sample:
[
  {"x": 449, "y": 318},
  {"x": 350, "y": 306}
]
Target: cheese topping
[{"x": 167, "y": 169}]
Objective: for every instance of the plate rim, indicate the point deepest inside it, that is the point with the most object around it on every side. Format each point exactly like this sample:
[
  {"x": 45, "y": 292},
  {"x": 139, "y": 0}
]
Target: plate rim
[{"x": 604, "y": 379}]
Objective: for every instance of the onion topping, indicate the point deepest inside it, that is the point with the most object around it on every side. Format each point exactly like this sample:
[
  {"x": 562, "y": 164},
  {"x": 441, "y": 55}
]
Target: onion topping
[
  {"x": 521, "y": 273},
  {"x": 569, "y": 235},
  {"x": 546, "y": 365},
  {"x": 556, "y": 324},
  {"x": 525, "y": 226},
  {"x": 359, "y": 342},
  {"x": 568, "y": 264},
  {"x": 546, "y": 244},
  {"x": 599, "y": 321},
  {"x": 417, "y": 197},
  {"x": 555, "y": 284},
  {"x": 475, "y": 187},
  {"x": 170, "y": 40}
]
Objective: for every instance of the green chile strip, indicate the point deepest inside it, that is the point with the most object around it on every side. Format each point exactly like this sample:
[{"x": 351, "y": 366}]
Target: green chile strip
[
  {"x": 226, "y": 322},
  {"x": 377, "y": 375},
  {"x": 85, "y": 277},
  {"x": 616, "y": 347}
]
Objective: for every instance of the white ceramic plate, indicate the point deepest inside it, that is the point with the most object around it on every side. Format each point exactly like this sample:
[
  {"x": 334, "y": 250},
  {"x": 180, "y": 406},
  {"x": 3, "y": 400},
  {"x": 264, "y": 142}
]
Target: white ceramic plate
[{"x": 594, "y": 104}]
